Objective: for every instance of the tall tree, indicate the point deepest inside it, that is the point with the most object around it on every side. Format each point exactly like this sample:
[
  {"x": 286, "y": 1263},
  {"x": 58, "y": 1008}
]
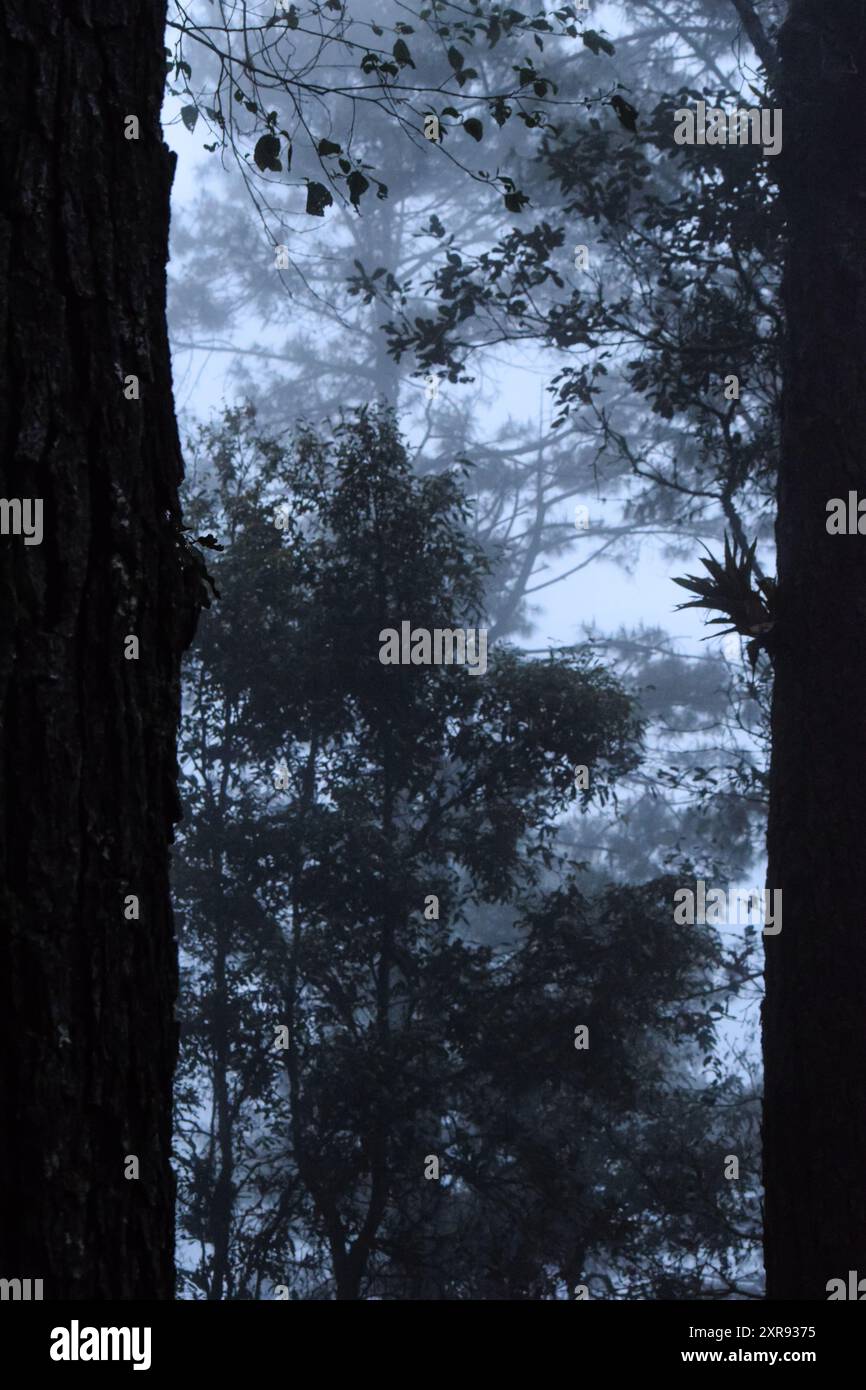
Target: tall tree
[
  {"x": 814, "y": 1018},
  {"x": 416, "y": 1028},
  {"x": 87, "y": 715}
]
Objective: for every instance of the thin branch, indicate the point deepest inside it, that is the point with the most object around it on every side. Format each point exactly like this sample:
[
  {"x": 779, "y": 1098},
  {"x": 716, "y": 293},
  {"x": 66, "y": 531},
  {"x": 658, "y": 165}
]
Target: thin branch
[{"x": 758, "y": 36}]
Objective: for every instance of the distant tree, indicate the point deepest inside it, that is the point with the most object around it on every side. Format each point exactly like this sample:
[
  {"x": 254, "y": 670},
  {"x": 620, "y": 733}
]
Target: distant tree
[
  {"x": 347, "y": 906},
  {"x": 319, "y": 307},
  {"x": 685, "y": 243}
]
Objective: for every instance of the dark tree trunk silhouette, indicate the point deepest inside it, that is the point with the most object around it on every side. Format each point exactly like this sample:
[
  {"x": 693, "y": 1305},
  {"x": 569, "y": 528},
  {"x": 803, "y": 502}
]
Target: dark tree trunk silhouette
[
  {"x": 815, "y": 1009},
  {"x": 87, "y": 737},
  {"x": 222, "y": 1205}
]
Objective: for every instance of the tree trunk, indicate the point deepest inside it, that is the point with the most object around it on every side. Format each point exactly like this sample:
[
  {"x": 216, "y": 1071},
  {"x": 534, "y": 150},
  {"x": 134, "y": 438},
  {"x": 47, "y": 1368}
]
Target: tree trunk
[
  {"x": 87, "y": 737},
  {"x": 222, "y": 1201},
  {"x": 815, "y": 1009}
]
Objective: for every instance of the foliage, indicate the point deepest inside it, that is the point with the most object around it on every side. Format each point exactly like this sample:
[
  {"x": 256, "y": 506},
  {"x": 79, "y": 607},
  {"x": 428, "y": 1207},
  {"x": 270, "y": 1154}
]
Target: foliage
[{"x": 413, "y": 1031}]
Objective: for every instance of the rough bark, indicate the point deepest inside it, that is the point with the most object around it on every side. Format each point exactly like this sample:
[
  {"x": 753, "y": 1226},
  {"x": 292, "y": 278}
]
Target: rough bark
[
  {"x": 87, "y": 738},
  {"x": 815, "y": 1009},
  {"x": 222, "y": 1204}
]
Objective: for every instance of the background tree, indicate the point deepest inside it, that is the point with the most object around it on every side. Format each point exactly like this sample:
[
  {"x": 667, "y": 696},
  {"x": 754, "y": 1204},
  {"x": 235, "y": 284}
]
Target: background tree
[
  {"x": 640, "y": 208},
  {"x": 671, "y": 465},
  {"x": 413, "y": 1035}
]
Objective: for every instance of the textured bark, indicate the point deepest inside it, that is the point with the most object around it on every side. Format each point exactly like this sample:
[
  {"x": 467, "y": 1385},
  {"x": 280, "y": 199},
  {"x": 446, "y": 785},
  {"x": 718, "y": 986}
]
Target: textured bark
[
  {"x": 222, "y": 1202},
  {"x": 87, "y": 738},
  {"x": 815, "y": 1009}
]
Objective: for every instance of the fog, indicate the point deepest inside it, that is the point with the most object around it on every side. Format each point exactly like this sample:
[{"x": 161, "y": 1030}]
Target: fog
[{"x": 672, "y": 301}]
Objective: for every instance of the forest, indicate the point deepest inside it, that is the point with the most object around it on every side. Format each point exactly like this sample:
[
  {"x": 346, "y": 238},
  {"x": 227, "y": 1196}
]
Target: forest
[{"x": 434, "y": 778}]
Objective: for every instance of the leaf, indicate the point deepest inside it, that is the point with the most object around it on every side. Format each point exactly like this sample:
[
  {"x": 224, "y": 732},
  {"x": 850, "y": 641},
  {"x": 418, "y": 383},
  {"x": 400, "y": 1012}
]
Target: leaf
[
  {"x": 596, "y": 44},
  {"x": 516, "y": 202},
  {"x": 474, "y": 128},
  {"x": 402, "y": 54},
  {"x": 358, "y": 185},
  {"x": 328, "y": 147},
  {"x": 626, "y": 113},
  {"x": 267, "y": 153},
  {"x": 318, "y": 198},
  {"x": 189, "y": 116},
  {"x": 455, "y": 58}
]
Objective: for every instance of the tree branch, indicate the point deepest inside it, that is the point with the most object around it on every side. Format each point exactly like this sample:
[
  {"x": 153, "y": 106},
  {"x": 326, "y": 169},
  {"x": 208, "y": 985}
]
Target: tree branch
[{"x": 757, "y": 35}]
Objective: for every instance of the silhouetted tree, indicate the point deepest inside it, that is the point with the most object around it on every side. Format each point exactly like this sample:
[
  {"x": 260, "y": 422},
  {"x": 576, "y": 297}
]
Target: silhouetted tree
[
  {"x": 88, "y": 978},
  {"x": 400, "y": 904}
]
